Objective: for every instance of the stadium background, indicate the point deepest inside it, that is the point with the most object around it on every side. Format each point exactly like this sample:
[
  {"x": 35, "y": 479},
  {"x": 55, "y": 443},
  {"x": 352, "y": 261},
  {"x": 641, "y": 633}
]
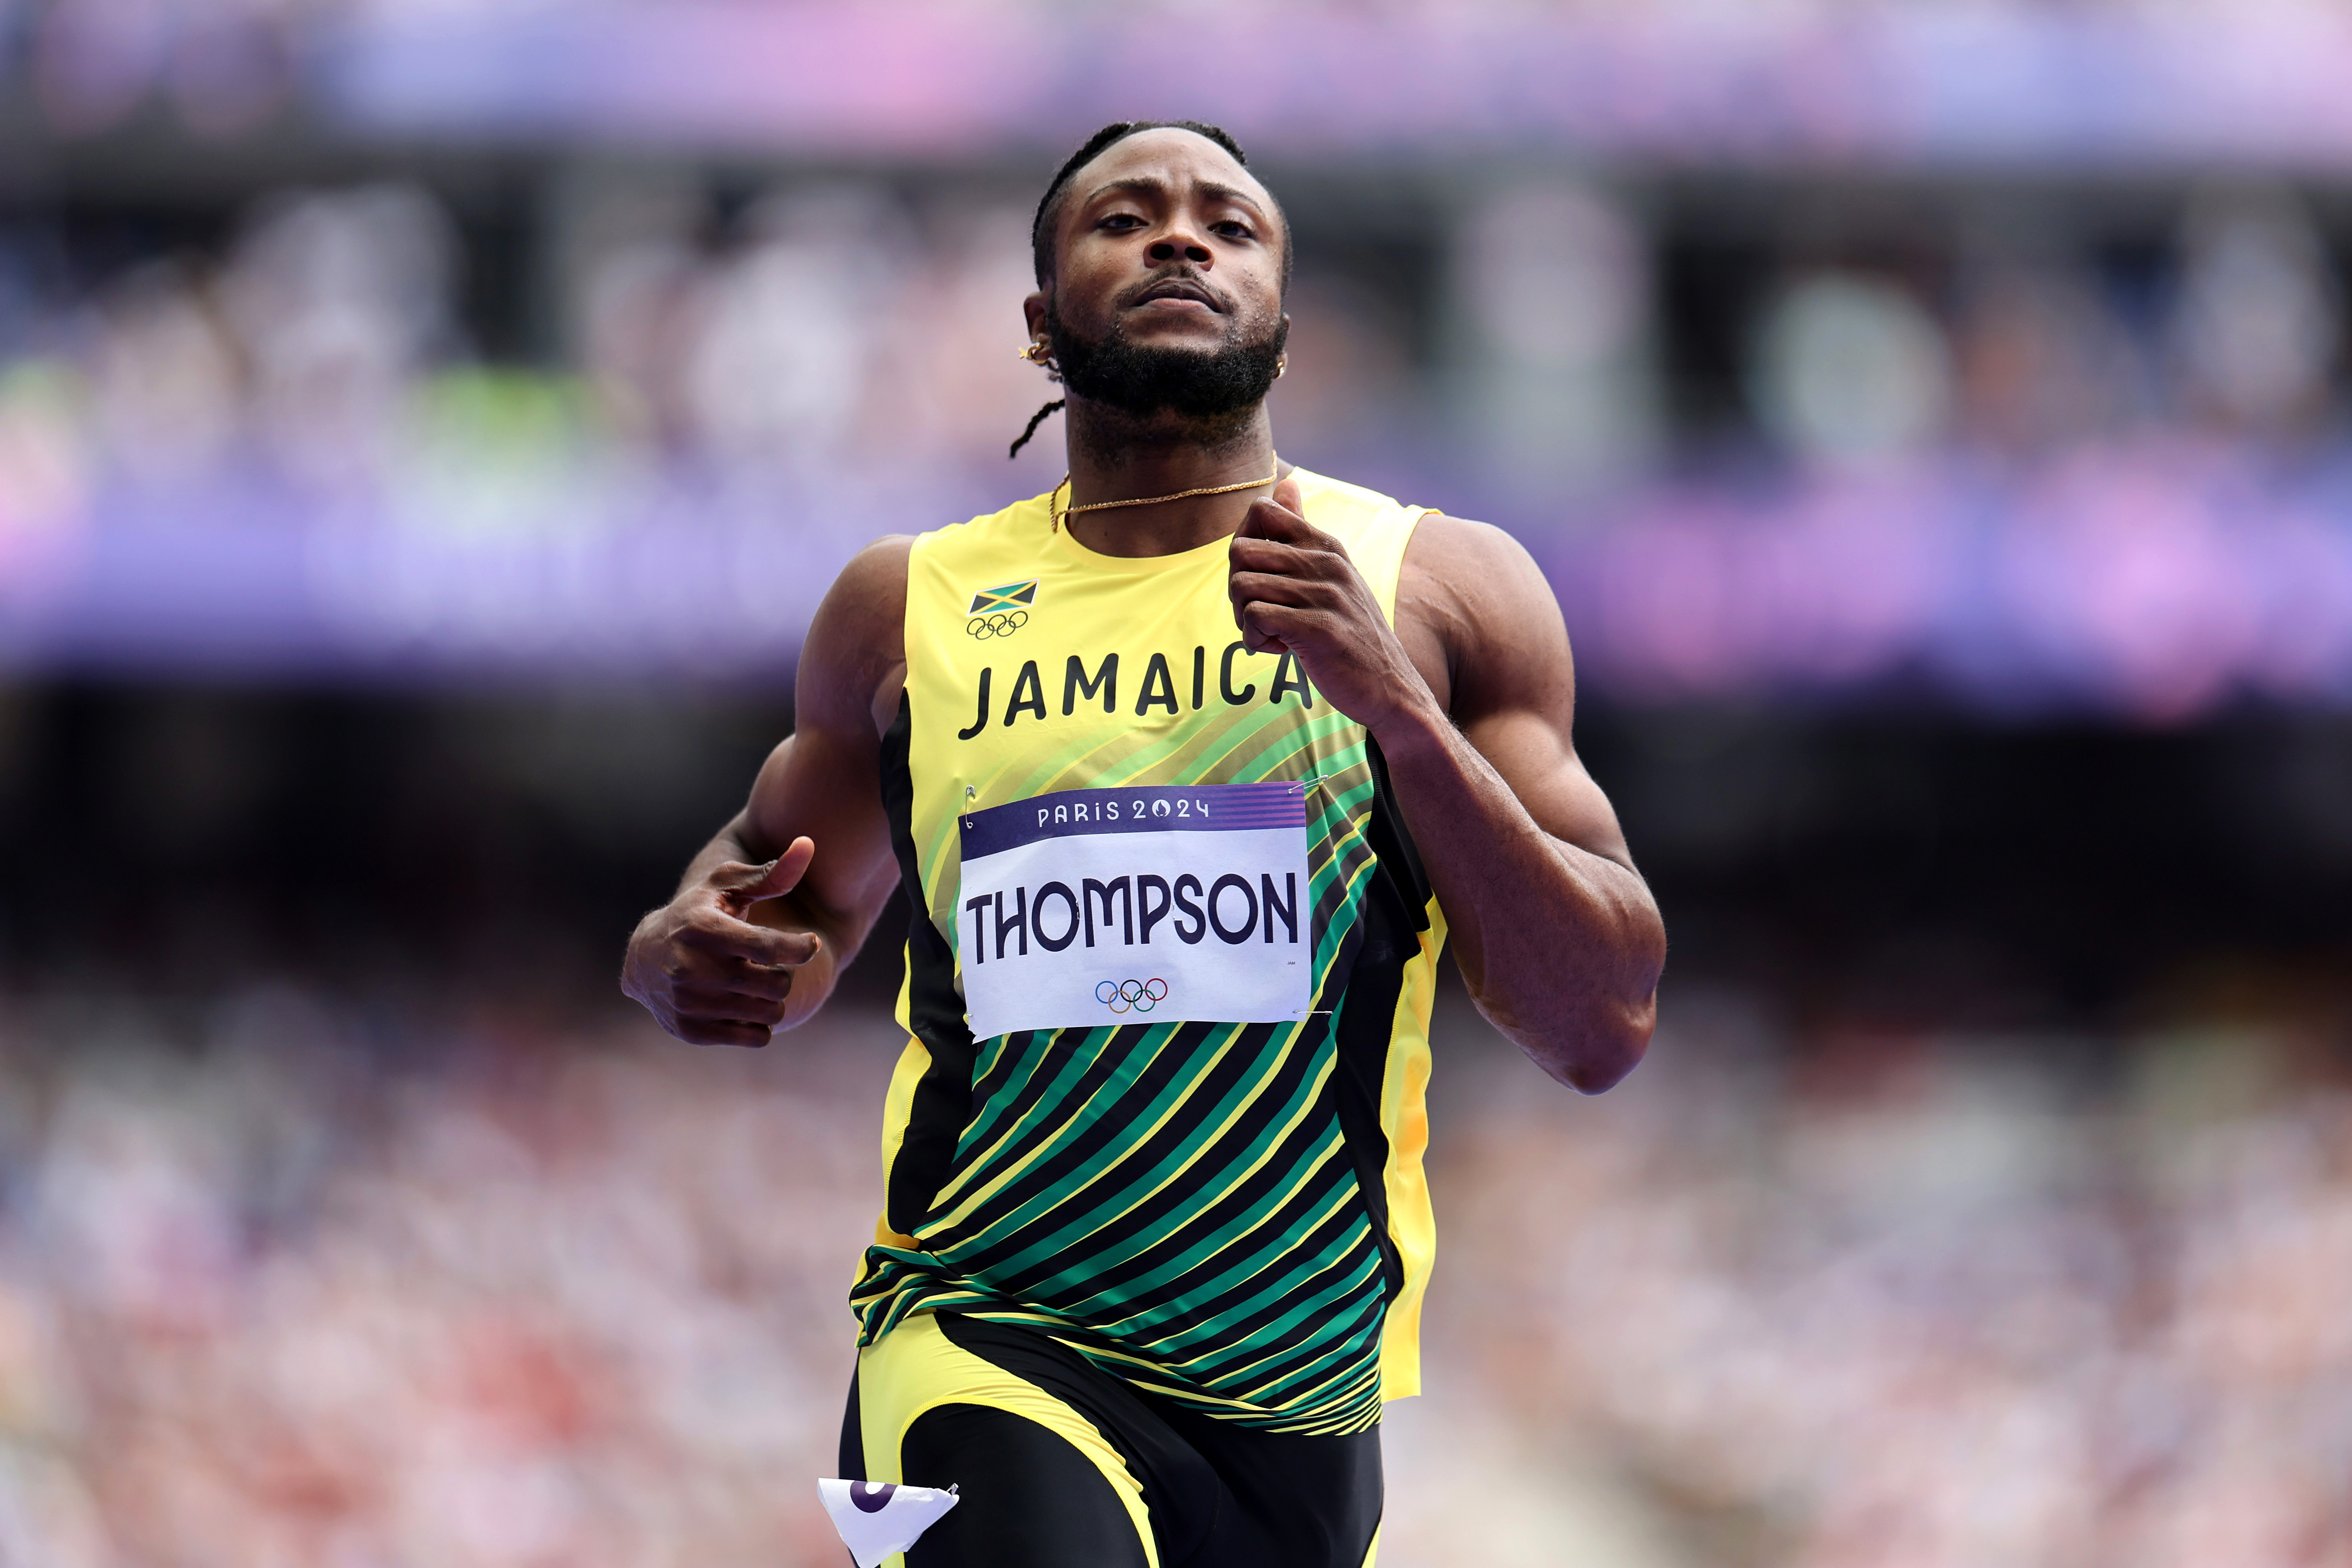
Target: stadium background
[{"x": 426, "y": 425}]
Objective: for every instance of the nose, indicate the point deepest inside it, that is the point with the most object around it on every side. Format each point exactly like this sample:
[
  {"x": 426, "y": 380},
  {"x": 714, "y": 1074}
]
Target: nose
[{"x": 1167, "y": 249}]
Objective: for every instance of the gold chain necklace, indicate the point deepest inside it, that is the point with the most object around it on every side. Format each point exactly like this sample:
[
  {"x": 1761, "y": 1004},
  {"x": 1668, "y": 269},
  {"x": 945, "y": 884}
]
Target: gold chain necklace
[{"x": 1059, "y": 514}]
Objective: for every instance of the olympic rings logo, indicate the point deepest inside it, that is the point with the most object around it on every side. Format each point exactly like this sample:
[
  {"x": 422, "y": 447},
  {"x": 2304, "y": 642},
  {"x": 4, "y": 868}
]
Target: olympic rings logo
[
  {"x": 1132, "y": 996},
  {"x": 1002, "y": 624}
]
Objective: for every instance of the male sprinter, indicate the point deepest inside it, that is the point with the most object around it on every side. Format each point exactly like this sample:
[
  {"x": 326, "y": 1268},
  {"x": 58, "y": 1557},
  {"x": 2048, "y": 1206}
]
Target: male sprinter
[{"x": 1189, "y": 768}]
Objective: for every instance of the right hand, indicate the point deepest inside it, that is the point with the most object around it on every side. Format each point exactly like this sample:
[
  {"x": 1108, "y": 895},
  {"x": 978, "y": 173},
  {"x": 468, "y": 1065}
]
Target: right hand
[{"x": 705, "y": 970}]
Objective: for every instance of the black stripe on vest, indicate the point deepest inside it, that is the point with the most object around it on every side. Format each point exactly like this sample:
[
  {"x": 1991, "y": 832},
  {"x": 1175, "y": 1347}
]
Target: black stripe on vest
[{"x": 942, "y": 1103}]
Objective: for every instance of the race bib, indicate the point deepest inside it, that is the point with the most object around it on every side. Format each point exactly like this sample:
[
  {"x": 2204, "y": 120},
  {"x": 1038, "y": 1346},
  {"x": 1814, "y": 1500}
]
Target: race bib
[{"x": 1151, "y": 905}]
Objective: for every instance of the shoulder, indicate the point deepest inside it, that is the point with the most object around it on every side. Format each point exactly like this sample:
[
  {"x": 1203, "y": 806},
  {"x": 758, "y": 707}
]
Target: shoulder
[
  {"x": 1473, "y": 591},
  {"x": 855, "y": 653},
  {"x": 866, "y": 595},
  {"x": 1458, "y": 554},
  {"x": 856, "y": 644},
  {"x": 880, "y": 565}
]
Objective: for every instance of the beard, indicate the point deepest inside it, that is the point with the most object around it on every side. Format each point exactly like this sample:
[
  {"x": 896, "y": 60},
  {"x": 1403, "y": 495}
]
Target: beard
[{"x": 1200, "y": 388}]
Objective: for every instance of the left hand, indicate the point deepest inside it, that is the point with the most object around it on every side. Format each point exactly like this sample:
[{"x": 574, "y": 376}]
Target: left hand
[{"x": 1295, "y": 591}]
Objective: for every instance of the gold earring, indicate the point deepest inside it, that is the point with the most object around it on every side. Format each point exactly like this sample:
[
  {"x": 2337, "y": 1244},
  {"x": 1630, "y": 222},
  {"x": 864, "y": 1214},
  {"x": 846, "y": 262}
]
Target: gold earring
[
  {"x": 1281, "y": 364},
  {"x": 1034, "y": 354}
]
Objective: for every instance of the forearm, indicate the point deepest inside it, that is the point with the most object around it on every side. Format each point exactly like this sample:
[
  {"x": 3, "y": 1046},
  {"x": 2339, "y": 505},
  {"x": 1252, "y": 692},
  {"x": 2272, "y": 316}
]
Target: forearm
[
  {"x": 739, "y": 841},
  {"x": 773, "y": 908},
  {"x": 1561, "y": 947}
]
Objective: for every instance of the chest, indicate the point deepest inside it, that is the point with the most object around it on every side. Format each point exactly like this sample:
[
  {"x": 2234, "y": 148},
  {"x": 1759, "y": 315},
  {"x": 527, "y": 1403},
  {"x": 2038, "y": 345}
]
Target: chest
[{"x": 1072, "y": 680}]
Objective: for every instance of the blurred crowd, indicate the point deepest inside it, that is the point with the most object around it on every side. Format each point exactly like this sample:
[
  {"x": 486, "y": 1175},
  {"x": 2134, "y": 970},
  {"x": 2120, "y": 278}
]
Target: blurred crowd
[
  {"x": 2109, "y": 472},
  {"x": 831, "y": 325},
  {"x": 284, "y": 1283},
  {"x": 2235, "y": 328},
  {"x": 1903, "y": 1301},
  {"x": 323, "y": 347},
  {"x": 266, "y": 1298}
]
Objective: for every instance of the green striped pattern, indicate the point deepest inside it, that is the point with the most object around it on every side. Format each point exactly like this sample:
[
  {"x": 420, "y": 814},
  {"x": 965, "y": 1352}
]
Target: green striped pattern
[{"x": 1173, "y": 1201}]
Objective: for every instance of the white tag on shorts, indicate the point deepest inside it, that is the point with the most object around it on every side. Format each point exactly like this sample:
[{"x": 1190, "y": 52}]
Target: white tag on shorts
[
  {"x": 1149, "y": 905},
  {"x": 876, "y": 1520}
]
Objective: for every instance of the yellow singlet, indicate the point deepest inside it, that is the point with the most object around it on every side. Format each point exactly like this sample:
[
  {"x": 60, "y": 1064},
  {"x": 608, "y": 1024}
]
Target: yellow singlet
[{"x": 1168, "y": 985}]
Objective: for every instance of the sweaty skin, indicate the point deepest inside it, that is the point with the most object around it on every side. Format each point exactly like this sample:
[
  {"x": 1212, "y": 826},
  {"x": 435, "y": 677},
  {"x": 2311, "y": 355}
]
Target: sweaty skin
[{"x": 1471, "y": 696}]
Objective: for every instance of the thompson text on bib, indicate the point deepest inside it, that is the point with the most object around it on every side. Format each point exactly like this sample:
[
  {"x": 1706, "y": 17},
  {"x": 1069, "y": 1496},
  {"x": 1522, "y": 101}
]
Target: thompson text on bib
[{"x": 1148, "y": 905}]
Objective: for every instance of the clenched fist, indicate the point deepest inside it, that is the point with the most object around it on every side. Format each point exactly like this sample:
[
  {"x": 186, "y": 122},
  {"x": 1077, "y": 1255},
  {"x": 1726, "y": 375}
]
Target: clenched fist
[
  {"x": 1295, "y": 591},
  {"x": 709, "y": 972}
]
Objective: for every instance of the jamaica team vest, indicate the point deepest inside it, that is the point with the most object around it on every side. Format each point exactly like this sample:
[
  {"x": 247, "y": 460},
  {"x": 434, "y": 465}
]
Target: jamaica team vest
[{"x": 1167, "y": 983}]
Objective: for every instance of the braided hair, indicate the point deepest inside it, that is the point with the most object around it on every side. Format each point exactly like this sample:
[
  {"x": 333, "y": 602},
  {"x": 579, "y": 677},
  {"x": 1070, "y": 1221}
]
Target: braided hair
[{"x": 1049, "y": 207}]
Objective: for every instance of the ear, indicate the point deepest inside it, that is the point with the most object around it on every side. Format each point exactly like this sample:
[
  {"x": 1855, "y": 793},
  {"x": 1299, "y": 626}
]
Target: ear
[{"x": 1032, "y": 310}]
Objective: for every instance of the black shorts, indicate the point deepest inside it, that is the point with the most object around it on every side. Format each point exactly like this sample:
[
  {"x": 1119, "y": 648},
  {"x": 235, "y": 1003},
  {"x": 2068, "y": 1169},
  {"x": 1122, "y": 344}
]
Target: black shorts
[{"x": 1060, "y": 1465}]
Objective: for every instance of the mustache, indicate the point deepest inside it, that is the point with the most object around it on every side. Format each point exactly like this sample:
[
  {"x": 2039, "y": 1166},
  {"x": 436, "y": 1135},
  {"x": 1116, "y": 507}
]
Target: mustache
[{"x": 1183, "y": 273}]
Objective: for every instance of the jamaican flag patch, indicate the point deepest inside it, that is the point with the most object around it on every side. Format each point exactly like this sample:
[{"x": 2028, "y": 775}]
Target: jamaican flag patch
[{"x": 1012, "y": 596}]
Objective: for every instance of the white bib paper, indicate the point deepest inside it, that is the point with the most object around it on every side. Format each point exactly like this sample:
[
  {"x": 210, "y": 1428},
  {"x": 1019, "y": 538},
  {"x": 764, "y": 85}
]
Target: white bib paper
[
  {"x": 877, "y": 1519},
  {"x": 1148, "y": 905}
]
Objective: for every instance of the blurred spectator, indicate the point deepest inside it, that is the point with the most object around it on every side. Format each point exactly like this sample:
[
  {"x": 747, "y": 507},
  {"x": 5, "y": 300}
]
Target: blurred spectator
[
  {"x": 783, "y": 334},
  {"x": 165, "y": 379},
  {"x": 340, "y": 301},
  {"x": 1352, "y": 385},
  {"x": 1550, "y": 335},
  {"x": 1850, "y": 368},
  {"x": 629, "y": 258},
  {"x": 2044, "y": 362},
  {"x": 2258, "y": 327},
  {"x": 45, "y": 471},
  {"x": 949, "y": 380}
]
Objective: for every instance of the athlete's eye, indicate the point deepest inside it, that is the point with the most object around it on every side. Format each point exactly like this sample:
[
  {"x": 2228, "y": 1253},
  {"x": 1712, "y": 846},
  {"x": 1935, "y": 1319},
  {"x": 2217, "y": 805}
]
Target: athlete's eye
[
  {"x": 1233, "y": 228},
  {"x": 1123, "y": 222}
]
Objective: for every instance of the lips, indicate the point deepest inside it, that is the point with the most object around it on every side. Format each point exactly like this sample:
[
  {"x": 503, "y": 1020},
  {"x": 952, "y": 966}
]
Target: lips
[{"x": 1178, "y": 288}]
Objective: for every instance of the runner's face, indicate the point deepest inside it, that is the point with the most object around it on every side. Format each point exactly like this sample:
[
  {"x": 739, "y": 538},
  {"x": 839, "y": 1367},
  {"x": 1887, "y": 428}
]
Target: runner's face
[{"x": 1166, "y": 243}]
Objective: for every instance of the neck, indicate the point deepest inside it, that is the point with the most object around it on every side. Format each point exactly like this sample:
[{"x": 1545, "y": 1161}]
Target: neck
[{"x": 1116, "y": 455}]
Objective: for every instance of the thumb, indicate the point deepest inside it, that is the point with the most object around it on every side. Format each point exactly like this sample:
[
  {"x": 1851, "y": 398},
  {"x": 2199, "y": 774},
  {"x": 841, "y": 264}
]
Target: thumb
[
  {"x": 1279, "y": 516},
  {"x": 781, "y": 874}
]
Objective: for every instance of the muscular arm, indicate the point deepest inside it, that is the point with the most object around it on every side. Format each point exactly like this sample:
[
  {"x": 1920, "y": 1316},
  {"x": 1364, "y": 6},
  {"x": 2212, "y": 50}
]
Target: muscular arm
[
  {"x": 1556, "y": 934},
  {"x": 1472, "y": 698},
  {"x": 783, "y": 897}
]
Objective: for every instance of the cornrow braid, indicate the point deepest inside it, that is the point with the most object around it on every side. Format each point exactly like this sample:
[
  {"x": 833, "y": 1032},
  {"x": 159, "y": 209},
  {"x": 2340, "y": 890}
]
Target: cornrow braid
[
  {"x": 1034, "y": 420},
  {"x": 1041, "y": 227}
]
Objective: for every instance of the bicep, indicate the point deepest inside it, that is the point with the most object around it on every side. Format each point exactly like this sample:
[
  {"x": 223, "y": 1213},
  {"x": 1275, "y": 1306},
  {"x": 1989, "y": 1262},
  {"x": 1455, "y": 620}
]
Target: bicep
[
  {"x": 826, "y": 786},
  {"x": 1513, "y": 679},
  {"x": 825, "y": 781}
]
